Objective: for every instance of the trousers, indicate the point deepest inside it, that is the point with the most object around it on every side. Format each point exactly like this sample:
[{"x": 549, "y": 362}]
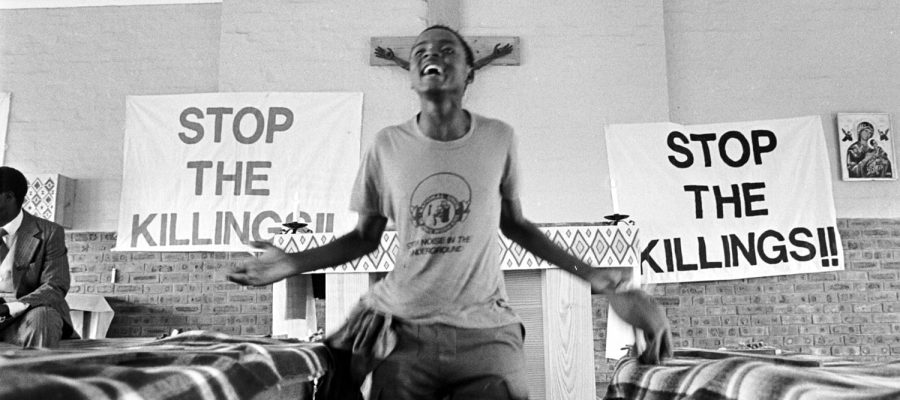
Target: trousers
[
  {"x": 437, "y": 361},
  {"x": 39, "y": 327}
]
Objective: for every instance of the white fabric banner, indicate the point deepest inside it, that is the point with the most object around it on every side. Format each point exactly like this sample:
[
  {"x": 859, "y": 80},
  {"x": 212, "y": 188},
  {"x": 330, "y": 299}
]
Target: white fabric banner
[
  {"x": 4, "y": 123},
  {"x": 213, "y": 171},
  {"x": 727, "y": 201}
]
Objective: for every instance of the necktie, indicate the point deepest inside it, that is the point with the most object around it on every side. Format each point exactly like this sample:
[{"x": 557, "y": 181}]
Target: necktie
[{"x": 4, "y": 249}]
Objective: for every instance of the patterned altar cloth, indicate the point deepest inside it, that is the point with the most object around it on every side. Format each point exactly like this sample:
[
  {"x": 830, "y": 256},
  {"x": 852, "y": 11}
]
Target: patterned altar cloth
[
  {"x": 740, "y": 378},
  {"x": 192, "y": 365},
  {"x": 598, "y": 244}
]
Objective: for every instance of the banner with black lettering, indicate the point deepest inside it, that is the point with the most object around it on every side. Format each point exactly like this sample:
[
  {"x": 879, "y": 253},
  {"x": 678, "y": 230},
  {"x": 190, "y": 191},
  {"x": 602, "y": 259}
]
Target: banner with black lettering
[
  {"x": 213, "y": 171},
  {"x": 727, "y": 201}
]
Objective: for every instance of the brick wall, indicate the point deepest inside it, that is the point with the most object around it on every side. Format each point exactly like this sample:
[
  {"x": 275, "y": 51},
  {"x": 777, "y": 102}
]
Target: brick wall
[
  {"x": 153, "y": 293},
  {"x": 853, "y": 313}
]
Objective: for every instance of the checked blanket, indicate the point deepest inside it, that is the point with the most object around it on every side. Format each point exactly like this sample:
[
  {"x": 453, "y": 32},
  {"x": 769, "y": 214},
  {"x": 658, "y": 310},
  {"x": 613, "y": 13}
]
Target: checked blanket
[
  {"x": 741, "y": 378},
  {"x": 195, "y": 365}
]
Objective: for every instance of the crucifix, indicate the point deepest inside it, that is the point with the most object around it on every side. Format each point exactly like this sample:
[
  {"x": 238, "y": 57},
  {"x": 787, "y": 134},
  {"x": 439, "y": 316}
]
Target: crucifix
[{"x": 494, "y": 50}]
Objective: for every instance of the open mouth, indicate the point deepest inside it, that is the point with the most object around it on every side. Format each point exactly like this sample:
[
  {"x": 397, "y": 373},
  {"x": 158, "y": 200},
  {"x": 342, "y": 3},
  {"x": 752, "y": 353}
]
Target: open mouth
[{"x": 432, "y": 70}]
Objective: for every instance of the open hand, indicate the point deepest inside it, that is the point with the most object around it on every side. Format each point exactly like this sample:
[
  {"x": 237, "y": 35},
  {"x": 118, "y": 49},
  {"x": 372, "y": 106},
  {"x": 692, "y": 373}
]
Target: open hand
[
  {"x": 640, "y": 310},
  {"x": 388, "y": 54},
  {"x": 500, "y": 51},
  {"x": 271, "y": 266},
  {"x": 385, "y": 53}
]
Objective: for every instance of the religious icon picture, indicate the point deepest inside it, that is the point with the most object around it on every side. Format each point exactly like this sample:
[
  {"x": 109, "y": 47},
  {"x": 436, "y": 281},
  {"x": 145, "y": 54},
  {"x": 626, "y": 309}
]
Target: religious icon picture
[{"x": 866, "y": 147}]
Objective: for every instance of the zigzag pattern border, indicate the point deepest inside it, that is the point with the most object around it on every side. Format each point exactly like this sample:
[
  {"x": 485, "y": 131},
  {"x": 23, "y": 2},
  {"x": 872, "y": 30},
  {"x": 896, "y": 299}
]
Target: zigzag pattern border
[{"x": 600, "y": 245}]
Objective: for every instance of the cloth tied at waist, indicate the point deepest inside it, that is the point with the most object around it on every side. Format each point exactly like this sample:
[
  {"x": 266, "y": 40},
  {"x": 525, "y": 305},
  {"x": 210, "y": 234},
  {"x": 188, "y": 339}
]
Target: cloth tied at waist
[{"x": 365, "y": 339}]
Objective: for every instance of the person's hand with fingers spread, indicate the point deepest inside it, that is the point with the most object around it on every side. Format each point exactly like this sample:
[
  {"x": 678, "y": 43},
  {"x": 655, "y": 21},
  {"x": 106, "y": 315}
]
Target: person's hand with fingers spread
[
  {"x": 639, "y": 309},
  {"x": 269, "y": 267},
  {"x": 273, "y": 264},
  {"x": 388, "y": 54},
  {"x": 634, "y": 306},
  {"x": 499, "y": 51}
]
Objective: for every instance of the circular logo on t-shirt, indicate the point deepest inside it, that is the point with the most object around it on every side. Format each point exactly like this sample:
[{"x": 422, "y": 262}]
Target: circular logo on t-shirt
[{"x": 439, "y": 202}]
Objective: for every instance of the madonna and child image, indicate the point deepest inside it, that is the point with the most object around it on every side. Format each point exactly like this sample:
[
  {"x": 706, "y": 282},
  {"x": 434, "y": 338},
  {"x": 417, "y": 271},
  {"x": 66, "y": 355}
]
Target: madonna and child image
[{"x": 866, "y": 147}]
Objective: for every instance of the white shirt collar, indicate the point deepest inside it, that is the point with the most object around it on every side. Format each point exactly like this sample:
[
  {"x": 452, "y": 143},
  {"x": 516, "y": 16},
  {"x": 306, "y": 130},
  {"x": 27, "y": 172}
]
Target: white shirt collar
[{"x": 13, "y": 226}]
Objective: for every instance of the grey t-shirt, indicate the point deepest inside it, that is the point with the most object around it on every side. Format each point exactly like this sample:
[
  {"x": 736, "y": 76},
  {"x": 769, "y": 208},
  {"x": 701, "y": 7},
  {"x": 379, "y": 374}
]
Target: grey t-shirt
[{"x": 445, "y": 201}]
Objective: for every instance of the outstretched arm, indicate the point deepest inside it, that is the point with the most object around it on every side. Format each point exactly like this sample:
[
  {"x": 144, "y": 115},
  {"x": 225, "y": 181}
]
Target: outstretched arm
[
  {"x": 518, "y": 229},
  {"x": 634, "y": 306},
  {"x": 274, "y": 264},
  {"x": 499, "y": 51},
  {"x": 388, "y": 54}
]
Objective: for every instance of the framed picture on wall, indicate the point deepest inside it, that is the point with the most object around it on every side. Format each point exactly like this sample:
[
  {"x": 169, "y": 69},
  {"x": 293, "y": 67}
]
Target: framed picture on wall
[{"x": 866, "y": 144}]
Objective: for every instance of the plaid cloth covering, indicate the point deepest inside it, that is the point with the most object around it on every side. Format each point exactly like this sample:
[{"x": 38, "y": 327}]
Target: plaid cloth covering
[
  {"x": 742, "y": 378},
  {"x": 192, "y": 365}
]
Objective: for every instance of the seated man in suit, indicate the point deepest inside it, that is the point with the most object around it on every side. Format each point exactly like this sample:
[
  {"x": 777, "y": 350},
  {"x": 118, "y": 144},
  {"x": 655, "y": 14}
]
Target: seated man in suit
[{"x": 34, "y": 270}]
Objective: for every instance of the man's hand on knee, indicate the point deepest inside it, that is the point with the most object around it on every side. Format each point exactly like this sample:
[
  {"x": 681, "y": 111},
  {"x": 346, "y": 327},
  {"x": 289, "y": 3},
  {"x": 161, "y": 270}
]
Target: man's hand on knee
[{"x": 16, "y": 308}]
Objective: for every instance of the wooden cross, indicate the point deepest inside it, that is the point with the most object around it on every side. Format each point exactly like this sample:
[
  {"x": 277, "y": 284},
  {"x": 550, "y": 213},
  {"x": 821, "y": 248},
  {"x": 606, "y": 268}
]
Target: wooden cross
[{"x": 493, "y": 50}]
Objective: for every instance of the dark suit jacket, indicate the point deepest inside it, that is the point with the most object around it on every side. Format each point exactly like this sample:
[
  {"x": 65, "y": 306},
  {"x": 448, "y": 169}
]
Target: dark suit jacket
[{"x": 41, "y": 268}]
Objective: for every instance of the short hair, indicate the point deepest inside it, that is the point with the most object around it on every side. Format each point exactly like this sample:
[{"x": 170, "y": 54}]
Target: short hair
[
  {"x": 470, "y": 55},
  {"x": 11, "y": 180}
]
